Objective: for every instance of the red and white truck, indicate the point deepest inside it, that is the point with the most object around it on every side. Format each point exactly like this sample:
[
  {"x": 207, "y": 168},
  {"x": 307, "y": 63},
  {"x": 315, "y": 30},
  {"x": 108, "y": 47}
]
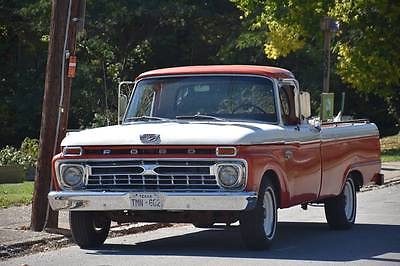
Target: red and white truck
[{"x": 213, "y": 144}]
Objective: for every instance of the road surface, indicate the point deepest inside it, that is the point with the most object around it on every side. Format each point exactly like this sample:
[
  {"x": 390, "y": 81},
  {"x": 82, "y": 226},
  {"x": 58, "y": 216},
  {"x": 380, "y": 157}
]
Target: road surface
[{"x": 303, "y": 239}]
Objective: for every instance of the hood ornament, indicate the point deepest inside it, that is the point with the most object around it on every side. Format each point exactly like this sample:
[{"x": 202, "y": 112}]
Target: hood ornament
[{"x": 150, "y": 138}]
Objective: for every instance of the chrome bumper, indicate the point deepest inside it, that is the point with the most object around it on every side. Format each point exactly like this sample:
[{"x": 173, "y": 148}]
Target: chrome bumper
[{"x": 173, "y": 201}]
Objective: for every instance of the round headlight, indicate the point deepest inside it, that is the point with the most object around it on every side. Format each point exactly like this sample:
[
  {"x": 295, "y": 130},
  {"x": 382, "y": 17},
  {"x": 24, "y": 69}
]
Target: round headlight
[
  {"x": 72, "y": 175},
  {"x": 228, "y": 175}
]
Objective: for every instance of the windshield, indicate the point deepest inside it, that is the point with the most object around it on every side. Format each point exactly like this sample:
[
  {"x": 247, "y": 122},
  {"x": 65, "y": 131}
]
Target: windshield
[{"x": 204, "y": 97}]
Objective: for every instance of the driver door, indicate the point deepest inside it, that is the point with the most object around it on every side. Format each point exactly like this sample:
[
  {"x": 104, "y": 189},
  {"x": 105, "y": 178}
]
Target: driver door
[{"x": 301, "y": 152}]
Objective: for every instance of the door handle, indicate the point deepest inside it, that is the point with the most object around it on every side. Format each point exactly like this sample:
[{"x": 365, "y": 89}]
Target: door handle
[{"x": 288, "y": 154}]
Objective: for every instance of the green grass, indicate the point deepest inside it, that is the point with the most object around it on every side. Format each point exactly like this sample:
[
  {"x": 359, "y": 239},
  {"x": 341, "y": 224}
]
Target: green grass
[
  {"x": 390, "y": 147},
  {"x": 15, "y": 194}
]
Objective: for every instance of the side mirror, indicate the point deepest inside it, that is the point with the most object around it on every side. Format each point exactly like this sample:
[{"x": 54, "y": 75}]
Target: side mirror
[
  {"x": 122, "y": 104},
  {"x": 305, "y": 104},
  {"x": 123, "y": 97}
]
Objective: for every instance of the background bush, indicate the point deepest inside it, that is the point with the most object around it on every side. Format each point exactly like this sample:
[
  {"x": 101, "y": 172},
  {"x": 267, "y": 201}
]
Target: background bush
[{"x": 26, "y": 156}]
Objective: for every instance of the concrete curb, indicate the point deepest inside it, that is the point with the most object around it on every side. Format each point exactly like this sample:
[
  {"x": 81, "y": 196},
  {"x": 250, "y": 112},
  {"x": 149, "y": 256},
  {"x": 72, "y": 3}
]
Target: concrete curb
[{"x": 53, "y": 241}]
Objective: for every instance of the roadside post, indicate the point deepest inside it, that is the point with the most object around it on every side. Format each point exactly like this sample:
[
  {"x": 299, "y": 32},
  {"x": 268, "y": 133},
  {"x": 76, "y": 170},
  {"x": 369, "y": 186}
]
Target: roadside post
[
  {"x": 66, "y": 17},
  {"x": 328, "y": 26}
]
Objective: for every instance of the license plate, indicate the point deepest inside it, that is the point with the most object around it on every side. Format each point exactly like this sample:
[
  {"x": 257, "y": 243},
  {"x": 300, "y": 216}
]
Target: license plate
[{"x": 145, "y": 201}]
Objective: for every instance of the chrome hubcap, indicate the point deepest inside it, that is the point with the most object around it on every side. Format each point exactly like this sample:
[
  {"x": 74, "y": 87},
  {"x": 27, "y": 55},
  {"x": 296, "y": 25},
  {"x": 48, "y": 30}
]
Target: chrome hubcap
[
  {"x": 269, "y": 213},
  {"x": 349, "y": 196},
  {"x": 98, "y": 224}
]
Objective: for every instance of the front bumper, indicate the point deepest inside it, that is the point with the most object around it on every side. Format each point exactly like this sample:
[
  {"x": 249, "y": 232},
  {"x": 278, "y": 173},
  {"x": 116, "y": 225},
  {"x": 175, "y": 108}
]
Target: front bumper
[{"x": 172, "y": 201}]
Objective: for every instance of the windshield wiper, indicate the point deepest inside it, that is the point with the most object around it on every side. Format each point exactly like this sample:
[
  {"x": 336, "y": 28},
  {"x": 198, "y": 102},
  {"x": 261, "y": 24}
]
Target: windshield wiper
[
  {"x": 145, "y": 118},
  {"x": 200, "y": 117}
]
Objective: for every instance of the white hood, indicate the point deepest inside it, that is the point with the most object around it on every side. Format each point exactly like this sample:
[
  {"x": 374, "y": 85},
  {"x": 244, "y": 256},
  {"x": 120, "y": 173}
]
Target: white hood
[{"x": 178, "y": 133}]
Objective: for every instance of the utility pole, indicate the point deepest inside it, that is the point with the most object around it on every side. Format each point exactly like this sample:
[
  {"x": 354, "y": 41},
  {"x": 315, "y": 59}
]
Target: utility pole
[
  {"x": 53, "y": 125},
  {"x": 328, "y": 26}
]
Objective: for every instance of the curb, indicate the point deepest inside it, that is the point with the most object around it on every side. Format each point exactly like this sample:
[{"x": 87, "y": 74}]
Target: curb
[
  {"x": 65, "y": 239},
  {"x": 390, "y": 182}
]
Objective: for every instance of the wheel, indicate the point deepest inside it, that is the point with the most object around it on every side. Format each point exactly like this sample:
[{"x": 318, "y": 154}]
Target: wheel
[
  {"x": 258, "y": 226},
  {"x": 340, "y": 211},
  {"x": 203, "y": 225},
  {"x": 89, "y": 229}
]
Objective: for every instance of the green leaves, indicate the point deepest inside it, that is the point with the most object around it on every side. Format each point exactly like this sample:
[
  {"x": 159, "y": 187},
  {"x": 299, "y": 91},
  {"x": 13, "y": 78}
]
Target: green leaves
[
  {"x": 26, "y": 156},
  {"x": 126, "y": 37},
  {"x": 365, "y": 50},
  {"x": 366, "y": 47}
]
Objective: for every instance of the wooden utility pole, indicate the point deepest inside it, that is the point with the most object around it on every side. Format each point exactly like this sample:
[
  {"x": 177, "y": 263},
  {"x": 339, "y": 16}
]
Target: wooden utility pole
[
  {"x": 327, "y": 60},
  {"x": 328, "y": 26},
  {"x": 42, "y": 215}
]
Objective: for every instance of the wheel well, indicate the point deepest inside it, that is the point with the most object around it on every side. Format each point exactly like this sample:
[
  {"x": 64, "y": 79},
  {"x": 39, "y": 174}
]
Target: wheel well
[
  {"x": 357, "y": 178},
  {"x": 271, "y": 175}
]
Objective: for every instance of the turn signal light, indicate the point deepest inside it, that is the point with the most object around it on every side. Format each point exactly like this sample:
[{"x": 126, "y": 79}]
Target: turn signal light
[
  {"x": 226, "y": 151},
  {"x": 72, "y": 151}
]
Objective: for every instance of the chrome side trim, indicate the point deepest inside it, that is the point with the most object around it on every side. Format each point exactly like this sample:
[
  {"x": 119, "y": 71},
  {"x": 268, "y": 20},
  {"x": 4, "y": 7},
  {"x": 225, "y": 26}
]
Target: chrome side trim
[
  {"x": 300, "y": 142},
  {"x": 112, "y": 201},
  {"x": 348, "y": 138}
]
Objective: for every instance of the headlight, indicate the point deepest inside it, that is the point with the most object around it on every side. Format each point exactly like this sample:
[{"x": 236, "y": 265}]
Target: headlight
[
  {"x": 72, "y": 175},
  {"x": 230, "y": 175}
]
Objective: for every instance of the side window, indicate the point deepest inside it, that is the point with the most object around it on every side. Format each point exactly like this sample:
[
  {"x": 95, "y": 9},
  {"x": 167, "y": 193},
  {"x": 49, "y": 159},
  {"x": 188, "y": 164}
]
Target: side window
[
  {"x": 144, "y": 102},
  {"x": 286, "y": 96},
  {"x": 285, "y": 105}
]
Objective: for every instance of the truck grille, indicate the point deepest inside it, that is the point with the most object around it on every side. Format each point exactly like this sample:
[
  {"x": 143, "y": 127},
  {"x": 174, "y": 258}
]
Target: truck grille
[{"x": 152, "y": 175}]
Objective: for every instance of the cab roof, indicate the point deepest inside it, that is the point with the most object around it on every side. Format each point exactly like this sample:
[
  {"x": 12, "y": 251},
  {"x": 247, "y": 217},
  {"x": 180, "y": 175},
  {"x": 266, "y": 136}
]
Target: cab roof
[{"x": 267, "y": 71}]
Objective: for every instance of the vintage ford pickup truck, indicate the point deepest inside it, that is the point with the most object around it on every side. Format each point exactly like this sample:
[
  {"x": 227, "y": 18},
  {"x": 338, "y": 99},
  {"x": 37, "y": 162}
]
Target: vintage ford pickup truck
[{"x": 213, "y": 144}]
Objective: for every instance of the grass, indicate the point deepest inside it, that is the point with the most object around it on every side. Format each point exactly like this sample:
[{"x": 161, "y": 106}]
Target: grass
[
  {"x": 390, "y": 147},
  {"x": 16, "y": 194}
]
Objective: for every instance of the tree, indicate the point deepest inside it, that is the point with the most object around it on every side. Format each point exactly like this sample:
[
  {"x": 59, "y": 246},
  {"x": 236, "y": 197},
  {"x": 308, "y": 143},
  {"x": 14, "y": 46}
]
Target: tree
[
  {"x": 366, "y": 46},
  {"x": 23, "y": 57},
  {"x": 122, "y": 39}
]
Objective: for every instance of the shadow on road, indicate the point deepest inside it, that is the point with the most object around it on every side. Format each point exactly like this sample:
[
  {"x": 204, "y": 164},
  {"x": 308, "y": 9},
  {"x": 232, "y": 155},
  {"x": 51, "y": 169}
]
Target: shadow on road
[{"x": 295, "y": 241}]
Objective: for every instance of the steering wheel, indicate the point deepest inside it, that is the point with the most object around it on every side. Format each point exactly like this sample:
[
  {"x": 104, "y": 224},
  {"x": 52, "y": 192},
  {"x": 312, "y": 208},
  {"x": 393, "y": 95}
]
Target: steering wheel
[{"x": 248, "y": 105}]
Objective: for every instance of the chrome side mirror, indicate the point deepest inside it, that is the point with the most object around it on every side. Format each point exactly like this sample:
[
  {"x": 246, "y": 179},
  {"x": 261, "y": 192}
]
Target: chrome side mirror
[
  {"x": 123, "y": 97},
  {"x": 122, "y": 104},
  {"x": 305, "y": 104}
]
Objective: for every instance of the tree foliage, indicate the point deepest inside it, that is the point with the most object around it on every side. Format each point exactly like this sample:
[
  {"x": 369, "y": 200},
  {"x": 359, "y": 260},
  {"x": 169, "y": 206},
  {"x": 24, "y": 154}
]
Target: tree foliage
[
  {"x": 23, "y": 57},
  {"x": 365, "y": 48},
  {"x": 121, "y": 39},
  {"x": 126, "y": 37}
]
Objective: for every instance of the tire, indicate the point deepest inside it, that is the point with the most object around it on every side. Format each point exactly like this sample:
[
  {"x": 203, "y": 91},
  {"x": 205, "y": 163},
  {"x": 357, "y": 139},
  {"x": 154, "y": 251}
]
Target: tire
[
  {"x": 340, "y": 211},
  {"x": 258, "y": 226},
  {"x": 89, "y": 229}
]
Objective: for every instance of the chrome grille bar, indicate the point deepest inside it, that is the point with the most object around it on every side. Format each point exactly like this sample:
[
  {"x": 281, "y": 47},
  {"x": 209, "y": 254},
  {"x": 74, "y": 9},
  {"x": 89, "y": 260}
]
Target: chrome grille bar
[{"x": 152, "y": 175}]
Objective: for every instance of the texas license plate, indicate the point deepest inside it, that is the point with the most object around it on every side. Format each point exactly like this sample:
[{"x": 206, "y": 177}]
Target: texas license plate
[{"x": 145, "y": 201}]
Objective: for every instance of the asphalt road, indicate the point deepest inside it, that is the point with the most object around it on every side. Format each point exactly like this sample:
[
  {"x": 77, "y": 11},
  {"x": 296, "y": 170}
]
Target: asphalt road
[{"x": 303, "y": 239}]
